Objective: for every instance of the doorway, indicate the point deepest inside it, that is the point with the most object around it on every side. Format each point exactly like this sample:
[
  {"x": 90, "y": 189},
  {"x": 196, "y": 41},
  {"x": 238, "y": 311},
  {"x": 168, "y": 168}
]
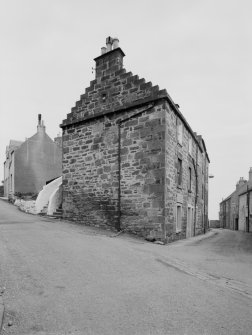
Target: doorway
[{"x": 236, "y": 224}]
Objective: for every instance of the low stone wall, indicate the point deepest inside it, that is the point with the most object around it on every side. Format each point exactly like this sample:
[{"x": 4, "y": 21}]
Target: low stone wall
[
  {"x": 55, "y": 200},
  {"x": 27, "y": 206}
]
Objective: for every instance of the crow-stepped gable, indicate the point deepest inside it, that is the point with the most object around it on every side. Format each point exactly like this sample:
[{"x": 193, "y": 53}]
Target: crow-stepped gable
[{"x": 130, "y": 159}]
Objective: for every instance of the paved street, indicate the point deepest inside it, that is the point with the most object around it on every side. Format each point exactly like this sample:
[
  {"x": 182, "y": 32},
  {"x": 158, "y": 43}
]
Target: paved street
[{"x": 63, "y": 278}]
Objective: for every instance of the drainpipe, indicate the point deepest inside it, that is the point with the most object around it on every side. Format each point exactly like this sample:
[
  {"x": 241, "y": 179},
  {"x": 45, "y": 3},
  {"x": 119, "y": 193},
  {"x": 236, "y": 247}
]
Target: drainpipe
[
  {"x": 118, "y": 224},
  {"x": 196, "y": 192}
]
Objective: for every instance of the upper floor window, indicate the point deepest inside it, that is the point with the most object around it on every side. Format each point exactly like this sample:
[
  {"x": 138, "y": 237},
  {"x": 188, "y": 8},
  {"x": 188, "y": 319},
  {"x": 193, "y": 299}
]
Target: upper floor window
[
  {"x": 190, "y": 146},
  {"x": 104, "y": 97},
  {"x": 190, "y": 179},
  {"x": 179, "y": 172},
  {"x": 179, "y": 131}
]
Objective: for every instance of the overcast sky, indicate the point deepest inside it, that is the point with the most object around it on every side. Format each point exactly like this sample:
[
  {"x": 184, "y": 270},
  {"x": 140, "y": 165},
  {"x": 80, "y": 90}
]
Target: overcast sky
[{"x": 200, "y": 51}]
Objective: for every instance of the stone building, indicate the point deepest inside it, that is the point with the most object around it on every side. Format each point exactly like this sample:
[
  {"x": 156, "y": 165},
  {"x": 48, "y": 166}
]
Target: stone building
[
  {"x": 245, "y": 205},
  {"x": 229, "y": 212},
  {"x": 130, "y": 159},
  {"x": 30, "y": 164},
  {"x": 237, "y": 208}
]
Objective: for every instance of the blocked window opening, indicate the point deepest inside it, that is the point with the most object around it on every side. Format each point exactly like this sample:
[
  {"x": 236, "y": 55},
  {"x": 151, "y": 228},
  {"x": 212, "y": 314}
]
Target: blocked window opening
[{"x": 179, "y": 218}]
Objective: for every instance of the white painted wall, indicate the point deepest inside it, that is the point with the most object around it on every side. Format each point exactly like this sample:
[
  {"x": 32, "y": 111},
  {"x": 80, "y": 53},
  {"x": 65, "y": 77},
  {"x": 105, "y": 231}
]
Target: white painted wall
[{"x": 45, "y": 194}]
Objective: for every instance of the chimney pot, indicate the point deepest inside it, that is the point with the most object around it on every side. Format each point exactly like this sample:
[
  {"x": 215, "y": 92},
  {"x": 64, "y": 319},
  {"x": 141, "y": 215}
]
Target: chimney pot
[
  {"x": 115, "y": 43},
  {"x": 109, "y": 41},
  {"x": 103, "y": 50}
]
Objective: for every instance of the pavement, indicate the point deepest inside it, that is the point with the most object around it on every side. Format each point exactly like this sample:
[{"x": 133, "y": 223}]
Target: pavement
[{"x": 64, "y": 278}]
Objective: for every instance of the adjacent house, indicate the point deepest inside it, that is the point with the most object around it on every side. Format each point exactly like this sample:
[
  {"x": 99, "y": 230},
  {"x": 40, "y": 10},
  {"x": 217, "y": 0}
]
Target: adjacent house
[
  {"x": 31, "y": 164},
  {"x": 130, "y": 158},
  {"x": 9, "y": 167},
  {"x": 236, "y": 209}
]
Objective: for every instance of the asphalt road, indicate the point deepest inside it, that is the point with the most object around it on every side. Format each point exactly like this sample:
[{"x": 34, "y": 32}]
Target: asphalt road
[{"x": 63, "y": 278}]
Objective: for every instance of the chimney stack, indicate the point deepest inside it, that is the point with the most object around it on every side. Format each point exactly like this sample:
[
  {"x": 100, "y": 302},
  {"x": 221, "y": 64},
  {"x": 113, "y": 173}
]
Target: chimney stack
[
  {"x": 110, "y": 60},
  {"x": 250, "y": 176}
]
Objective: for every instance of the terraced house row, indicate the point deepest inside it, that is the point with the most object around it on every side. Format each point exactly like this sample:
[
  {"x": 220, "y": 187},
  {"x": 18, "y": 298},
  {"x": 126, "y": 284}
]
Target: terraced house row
[
  {"x": 236, "y": 209},
  {"x": 130, "y": 158}
]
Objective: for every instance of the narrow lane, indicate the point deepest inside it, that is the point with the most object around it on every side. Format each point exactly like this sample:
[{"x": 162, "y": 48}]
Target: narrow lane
[{"x": 62, "y": 278}]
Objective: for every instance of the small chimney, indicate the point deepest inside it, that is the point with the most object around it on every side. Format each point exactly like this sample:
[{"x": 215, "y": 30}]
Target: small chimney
[
  {"x": 41, "y": 126},
  {"x": 109, "y": 42},
  {"x": 115, "y": 43}
]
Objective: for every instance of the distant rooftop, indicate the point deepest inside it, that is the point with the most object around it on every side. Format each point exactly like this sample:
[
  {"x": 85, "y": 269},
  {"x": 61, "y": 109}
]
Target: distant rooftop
[{"x": 15, "y": 143}]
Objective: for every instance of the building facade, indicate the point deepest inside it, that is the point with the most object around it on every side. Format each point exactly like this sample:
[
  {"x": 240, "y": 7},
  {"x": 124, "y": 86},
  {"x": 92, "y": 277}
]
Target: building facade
[
  {"x": 9, "y": 167},
  {"x": 32, "y": 163},
  {"x": 236, "y": 209},
  {"x": 130, "y": 159}
]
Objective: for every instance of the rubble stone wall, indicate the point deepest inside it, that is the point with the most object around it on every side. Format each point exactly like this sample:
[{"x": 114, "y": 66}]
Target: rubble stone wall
[
  {"x": 120, "y": 154},
  {"x": 91, "y": 170}
]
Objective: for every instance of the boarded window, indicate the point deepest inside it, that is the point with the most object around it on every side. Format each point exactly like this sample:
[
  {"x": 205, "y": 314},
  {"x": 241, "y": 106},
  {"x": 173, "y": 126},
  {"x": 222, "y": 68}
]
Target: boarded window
[{"x": 179, "y": 218}]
